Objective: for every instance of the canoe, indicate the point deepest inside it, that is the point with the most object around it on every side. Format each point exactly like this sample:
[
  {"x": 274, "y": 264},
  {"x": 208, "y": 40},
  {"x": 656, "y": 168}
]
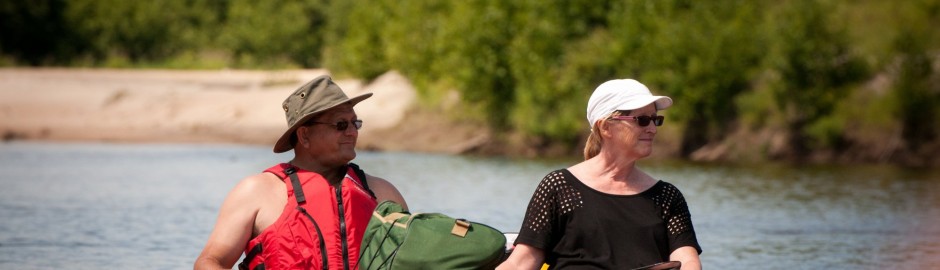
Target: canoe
[{"x": 670, "y": 265}]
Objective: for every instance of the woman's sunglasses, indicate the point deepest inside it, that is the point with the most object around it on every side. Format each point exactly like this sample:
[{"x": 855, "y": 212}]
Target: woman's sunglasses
[
  {"x": 642, "y": 120},
  {"x": 341, "y": 125}
]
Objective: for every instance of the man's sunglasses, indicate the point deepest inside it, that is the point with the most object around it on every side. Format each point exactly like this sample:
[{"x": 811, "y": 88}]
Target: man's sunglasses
[
  {"x": 642, "y": 120},
  {"x": 341, "y": 125}
]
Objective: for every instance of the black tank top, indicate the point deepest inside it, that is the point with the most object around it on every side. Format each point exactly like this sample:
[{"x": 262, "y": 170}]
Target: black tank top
[{"x": 580, "y": 227}]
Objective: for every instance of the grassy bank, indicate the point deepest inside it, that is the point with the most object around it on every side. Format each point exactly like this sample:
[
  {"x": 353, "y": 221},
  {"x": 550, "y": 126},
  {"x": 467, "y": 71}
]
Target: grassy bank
[{"x": 796, "y": 80}]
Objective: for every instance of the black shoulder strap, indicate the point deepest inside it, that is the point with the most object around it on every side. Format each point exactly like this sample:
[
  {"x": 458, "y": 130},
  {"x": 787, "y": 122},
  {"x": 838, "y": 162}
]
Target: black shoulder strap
[
  {"x": 362, "y": 178},
  {"x": 299, "y": 195},
  {"x": 298, "y": 189}
]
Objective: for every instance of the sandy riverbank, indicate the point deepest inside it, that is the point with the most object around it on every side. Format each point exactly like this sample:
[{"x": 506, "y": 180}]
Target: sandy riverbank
[{"x": 226, "y": 106}]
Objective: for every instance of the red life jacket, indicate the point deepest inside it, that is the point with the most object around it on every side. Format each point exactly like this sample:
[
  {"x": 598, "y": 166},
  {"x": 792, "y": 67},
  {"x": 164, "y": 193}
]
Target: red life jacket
[{"x": 321, "y": 226}]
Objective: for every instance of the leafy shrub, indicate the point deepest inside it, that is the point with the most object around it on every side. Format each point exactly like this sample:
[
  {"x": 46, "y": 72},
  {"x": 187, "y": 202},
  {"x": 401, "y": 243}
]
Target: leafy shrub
[
  {"x": 814, "y": 65},
  {"x": 275, "y": 33},
  {"x": 530, "y": 66}
]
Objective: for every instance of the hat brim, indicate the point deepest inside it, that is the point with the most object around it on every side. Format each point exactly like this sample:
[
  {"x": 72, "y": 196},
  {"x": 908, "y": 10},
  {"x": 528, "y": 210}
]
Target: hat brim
[
  {"x": 662, "y": 102},
  {"x": 283, "y": 144}
]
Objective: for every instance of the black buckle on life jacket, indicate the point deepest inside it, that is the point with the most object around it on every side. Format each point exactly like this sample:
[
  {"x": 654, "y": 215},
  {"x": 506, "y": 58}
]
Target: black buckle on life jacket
[{"x": 251, "y": 256}]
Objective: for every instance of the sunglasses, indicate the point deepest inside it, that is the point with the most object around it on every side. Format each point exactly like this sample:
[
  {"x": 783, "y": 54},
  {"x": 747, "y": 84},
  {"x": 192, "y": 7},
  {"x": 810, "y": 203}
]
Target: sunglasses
[
  {"x": 341, "y": 125},
  {"x": 642, "y": 120}
]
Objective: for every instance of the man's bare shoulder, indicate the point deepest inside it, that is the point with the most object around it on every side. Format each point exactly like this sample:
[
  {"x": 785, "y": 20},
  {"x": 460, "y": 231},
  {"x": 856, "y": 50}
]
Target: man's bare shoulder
[
  {"x": 377, "y": 181},
  {"x": 254, "y": 184},
  {"x": 385, "y": 190}
]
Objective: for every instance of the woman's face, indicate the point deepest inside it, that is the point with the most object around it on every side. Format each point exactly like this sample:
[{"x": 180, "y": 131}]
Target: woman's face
[{"x": 627, "y": 137}]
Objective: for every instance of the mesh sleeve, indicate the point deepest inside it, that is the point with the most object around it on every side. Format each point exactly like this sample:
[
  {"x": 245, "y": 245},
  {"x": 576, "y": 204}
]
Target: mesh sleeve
[
  {"x": 538, "y": 224},
  {"x": 678, "y": 219}
]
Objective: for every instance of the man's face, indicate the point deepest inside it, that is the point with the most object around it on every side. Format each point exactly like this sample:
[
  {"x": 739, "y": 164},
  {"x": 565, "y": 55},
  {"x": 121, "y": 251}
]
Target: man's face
[{"x": 322, "y": 140}]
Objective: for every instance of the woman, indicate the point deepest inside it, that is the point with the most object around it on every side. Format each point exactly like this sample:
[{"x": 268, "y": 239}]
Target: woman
[{"x": 605, "y": 213}]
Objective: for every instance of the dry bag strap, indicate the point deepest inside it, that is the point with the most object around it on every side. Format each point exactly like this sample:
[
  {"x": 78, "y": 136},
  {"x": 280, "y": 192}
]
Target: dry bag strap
[
  {"x": 389, "y": 258},
  {"x": 299, "y": 194},
  {"x": 461, "y": 226},
  {"x": 392, "y": 218}
]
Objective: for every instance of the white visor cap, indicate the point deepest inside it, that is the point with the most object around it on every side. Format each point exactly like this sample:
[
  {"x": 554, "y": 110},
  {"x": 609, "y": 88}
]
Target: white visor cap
[{"x": 621, "y": 94}]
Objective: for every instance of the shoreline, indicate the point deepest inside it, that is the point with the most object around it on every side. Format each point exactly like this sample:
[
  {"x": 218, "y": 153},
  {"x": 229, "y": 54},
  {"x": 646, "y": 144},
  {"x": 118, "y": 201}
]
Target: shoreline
[
  {"x": 244, "y": 107},
  {"x": 171, "y": 106}
]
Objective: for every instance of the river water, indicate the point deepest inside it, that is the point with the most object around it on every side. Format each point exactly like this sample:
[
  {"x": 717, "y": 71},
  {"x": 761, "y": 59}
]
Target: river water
[{"x": 152, "y": 206}]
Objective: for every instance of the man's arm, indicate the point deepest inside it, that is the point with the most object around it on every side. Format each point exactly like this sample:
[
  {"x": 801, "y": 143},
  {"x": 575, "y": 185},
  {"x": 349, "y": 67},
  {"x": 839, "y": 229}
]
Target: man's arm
[
  {"x": 234, "y": 226},
  {"x": 385, "y": 191}
]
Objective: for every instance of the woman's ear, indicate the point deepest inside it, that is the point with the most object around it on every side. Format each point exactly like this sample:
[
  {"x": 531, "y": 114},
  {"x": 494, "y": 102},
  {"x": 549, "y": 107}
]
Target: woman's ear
[{"x": 603, "y": 127}]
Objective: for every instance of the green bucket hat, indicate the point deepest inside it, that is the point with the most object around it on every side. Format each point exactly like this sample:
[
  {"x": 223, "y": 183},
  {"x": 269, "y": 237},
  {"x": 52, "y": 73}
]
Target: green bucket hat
[{"x": 316, "y": 96}]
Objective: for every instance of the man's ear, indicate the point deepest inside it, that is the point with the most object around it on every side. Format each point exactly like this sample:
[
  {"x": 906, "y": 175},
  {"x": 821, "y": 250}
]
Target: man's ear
[{"x": 301, "y": 134}]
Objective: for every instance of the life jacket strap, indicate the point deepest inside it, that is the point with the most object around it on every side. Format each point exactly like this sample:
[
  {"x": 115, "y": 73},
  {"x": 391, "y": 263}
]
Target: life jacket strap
[
  {"x": 362, "y": 179},
  {"x": 301, "y": 200},
  {"x": 251, "y": 256},
  {"x": 298, "y": 189}
]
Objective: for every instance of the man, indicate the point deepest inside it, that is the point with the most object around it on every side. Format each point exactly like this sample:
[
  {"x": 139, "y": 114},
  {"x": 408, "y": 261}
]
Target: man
[{"x": 311, "y": 212}]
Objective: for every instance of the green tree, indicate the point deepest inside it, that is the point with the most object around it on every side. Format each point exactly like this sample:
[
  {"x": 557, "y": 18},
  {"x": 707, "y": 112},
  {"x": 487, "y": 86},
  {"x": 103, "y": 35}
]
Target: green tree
[
  {"x": 416, "y": 44},
  {"x": 143, "y": 31},
  {"x": 275, "y": 33},
  {"x": 36, "y": 32},
  {"x": 557, "y": 56},
  {"x": 701, "y": 53},
  {"x": 814, "y": 68},
  {"x": 356, "y": 45},
  {"x": 477, "y": 40},
  {"x": 917, "y": 87},
  {"x": 137, "y": 30}
]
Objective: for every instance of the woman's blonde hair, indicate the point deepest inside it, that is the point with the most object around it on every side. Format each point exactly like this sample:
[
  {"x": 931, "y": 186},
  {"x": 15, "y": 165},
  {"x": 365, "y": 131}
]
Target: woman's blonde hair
[
  {"x": 593, "y": 145},
  {"x": 594, "y": 141}
]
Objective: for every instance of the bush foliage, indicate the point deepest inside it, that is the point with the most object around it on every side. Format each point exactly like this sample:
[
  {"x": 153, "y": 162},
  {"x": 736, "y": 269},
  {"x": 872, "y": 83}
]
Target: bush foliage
[{"x": 529, "y": 66}]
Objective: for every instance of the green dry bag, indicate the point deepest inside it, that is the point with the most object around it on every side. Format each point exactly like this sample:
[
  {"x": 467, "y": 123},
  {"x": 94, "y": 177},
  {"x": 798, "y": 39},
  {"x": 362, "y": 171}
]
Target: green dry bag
[{"x": 397, "y": 239}]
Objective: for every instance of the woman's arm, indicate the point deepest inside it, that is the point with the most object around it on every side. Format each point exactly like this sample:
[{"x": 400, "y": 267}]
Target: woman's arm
[
  {"x": 523, "y": 257},
  {"x": 688, "y": 256}
]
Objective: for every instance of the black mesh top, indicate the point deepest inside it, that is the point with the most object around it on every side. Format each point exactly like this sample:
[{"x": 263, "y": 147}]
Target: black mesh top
[{"x": 580, "y": 227}]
